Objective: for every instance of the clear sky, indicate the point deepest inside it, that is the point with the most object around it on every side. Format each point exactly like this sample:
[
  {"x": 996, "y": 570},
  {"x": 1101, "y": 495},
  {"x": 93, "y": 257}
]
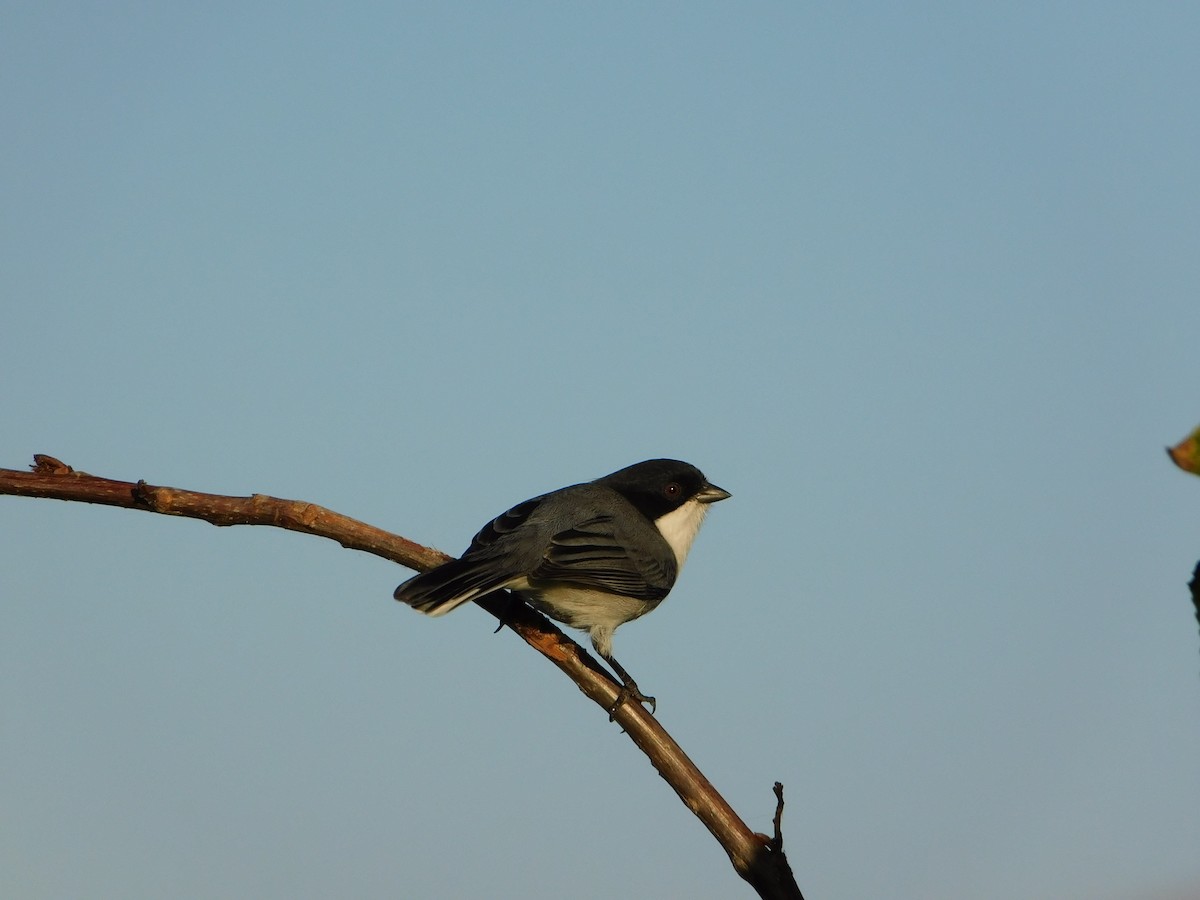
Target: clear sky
[{"x": 918, "y": 283}]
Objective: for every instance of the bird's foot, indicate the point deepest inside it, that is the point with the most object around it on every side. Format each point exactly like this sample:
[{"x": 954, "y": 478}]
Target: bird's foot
[
  {"x": 629, "y": 691},
  {"x": 511, "y": 601}
]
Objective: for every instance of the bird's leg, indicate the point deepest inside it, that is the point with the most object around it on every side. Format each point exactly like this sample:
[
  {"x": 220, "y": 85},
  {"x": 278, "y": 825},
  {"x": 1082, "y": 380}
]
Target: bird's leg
[
  {"x": 510, "y": 602},
  {"x": 629, "y": 689}
]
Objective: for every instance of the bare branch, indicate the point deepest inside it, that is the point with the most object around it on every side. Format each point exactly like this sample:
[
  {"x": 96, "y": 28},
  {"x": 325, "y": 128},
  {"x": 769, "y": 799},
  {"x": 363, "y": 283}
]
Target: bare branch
[
  {"x": 58, "y": 481},
  {"x": 758, "y": 859},
  {"x": 1194, "y": 586}
]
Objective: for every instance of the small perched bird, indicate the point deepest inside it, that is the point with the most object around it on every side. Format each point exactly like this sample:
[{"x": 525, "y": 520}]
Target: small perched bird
[{"x": 593, "y": 555}]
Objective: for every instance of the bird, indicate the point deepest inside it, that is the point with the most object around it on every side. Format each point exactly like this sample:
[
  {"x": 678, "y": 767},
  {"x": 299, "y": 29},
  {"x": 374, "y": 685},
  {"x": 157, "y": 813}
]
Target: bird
[{"x": 593, "y": 555}]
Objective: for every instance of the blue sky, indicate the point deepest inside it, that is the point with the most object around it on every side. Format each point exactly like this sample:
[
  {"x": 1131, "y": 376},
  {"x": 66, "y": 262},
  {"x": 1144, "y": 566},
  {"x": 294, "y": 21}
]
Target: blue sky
[{"x": 917, "y": 285}]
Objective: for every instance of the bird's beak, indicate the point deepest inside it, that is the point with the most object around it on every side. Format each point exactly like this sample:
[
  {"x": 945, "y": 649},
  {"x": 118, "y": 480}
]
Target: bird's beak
[{"x": 710, "y": 493}]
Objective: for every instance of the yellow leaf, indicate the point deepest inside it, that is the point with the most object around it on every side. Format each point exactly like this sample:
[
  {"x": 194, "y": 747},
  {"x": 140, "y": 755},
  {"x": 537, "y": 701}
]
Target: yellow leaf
[{"x": 1186, "y": 454}]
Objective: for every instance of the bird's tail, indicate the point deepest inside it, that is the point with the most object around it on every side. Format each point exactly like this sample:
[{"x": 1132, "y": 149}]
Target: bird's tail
[{"x": 437, "y": 592}]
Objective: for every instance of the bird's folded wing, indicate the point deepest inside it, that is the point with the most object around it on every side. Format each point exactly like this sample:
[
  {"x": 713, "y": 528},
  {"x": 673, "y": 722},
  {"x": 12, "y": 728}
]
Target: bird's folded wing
[
  {"x": 593, "y": 554},
  {"x": 502, "y": 525}
]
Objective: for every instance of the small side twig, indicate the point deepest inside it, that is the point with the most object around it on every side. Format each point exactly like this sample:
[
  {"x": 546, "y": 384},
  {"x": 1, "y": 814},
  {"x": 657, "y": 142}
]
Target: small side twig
[{"x": 777, "y": 838}]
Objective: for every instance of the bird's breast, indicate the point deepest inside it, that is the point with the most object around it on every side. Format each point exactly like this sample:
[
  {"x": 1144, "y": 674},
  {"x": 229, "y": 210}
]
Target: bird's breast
[{"x": 679, "y": 527}]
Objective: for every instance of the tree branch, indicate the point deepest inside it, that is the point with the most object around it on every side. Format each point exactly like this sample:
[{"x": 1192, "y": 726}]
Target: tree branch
[
  {"x": 758, "y": 859},
  {"x": 1194, "y": 586}
]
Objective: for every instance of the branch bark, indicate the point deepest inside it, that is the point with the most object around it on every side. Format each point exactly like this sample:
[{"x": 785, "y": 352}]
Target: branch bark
[{"x": 757, "y": 858}]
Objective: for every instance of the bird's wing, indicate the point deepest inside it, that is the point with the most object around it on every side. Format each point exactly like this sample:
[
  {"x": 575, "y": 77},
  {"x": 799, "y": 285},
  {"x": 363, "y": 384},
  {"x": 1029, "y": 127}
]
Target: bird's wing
[
  {"x": 596, "y": 554},
  {"x": 503, "y": 525}
]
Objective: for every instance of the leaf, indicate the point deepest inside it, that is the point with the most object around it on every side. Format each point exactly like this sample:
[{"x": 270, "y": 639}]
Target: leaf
[{"x": 1186, "y": 454}]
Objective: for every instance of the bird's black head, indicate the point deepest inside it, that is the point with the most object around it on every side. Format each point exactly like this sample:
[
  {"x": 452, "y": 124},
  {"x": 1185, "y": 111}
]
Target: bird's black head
[{"x": 659, "y": 486}]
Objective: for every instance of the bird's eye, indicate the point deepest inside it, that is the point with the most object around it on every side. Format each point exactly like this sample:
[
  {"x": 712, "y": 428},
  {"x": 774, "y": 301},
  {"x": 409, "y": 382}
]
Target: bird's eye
[{"x": 672, "y": 490}]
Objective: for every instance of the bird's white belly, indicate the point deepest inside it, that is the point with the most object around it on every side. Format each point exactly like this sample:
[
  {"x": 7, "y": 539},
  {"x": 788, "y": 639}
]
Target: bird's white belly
[{"x": 584, "y": 608}]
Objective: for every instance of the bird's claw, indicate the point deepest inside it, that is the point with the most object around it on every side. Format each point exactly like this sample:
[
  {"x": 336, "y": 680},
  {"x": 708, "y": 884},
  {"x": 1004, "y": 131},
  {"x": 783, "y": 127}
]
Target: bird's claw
[{"x": 629, "y": 691}]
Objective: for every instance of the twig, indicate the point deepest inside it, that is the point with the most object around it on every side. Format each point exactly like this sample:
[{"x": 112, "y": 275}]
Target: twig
[
  {"x": 759, "y": 860},
  {"x": 777, "y": 839},
  {"x": 1194, "y": 585}
]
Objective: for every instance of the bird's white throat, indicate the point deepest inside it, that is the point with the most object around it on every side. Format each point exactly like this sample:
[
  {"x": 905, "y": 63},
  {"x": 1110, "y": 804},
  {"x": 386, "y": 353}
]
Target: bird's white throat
[{"x": 679, "y": 527}]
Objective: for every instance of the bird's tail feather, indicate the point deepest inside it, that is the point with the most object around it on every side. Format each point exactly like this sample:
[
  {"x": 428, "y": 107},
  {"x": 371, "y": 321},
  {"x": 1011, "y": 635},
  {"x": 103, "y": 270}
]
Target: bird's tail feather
[{"x": 437, "y": 592}]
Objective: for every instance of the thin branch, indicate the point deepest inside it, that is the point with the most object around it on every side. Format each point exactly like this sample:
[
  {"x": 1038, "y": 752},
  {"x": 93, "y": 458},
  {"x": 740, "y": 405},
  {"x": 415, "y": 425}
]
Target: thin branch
[
  {"x": 1194, "y": 586},
  {"x": 758, "y": 859}
]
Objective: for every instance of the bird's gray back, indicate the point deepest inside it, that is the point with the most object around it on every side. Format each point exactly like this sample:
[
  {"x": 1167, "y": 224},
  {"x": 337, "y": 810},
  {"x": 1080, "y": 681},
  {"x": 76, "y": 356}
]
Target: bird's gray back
[{"x": 587, "y": 533}]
